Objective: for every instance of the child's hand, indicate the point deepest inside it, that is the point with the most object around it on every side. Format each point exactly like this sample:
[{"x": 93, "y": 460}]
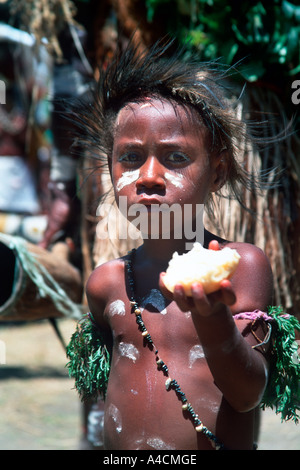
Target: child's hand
[{"x": 199, "y": 302}]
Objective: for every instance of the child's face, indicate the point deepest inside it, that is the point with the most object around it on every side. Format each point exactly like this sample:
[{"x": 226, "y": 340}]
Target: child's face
[{"x": 160, "y": 155}]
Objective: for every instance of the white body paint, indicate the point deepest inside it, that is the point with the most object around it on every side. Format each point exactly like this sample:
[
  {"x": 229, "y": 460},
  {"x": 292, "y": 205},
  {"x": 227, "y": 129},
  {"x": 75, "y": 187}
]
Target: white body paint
[
  {"x": 117, "y": 308},
  {"x": 127, "y": 177},
  {"x": 208, "y": 403},
  {"x": 176, "y": 180},
  {"x": 128, "y": 350},
  {"x": 158, "y": 444},
  {"x": 115, "y": 415},
  {"x": 196, "y": 352}
]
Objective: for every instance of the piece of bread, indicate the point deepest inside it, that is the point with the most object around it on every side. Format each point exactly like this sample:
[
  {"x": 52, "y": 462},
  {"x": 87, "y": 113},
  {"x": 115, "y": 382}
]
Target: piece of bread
[{"x": 209, "y": 267}]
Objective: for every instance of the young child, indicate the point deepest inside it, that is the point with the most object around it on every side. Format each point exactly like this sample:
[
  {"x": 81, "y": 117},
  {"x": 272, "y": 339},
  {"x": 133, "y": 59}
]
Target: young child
[{"x": 185, "y": 373}]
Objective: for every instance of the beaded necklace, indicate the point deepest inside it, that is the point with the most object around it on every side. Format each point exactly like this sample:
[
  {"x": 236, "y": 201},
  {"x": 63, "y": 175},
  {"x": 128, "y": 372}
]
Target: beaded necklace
[{"x": 171, "y": 384}]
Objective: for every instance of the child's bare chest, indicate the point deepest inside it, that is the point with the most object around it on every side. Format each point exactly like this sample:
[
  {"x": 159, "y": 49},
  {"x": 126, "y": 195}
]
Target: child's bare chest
[
  {"x": 140, "y": 392},
  {"x": 155, "y": 324},
  {"x": 160, "y": 342}
]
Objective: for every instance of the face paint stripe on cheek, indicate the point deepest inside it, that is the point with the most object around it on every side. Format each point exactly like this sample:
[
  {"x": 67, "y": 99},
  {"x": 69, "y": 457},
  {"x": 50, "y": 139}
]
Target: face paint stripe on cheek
[
  {"x": 127, "y": 178},
  {"x": 176, "y": 180}
]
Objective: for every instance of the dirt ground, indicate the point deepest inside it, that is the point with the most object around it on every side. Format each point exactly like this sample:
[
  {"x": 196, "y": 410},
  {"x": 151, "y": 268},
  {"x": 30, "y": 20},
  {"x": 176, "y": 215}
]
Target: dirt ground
[{"x": 40, "y": 410}]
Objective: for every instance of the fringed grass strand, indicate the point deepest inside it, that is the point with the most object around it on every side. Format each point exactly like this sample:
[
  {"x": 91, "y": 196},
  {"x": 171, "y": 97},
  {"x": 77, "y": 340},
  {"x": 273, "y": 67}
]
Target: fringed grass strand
[{"x": 89, "y": 360}]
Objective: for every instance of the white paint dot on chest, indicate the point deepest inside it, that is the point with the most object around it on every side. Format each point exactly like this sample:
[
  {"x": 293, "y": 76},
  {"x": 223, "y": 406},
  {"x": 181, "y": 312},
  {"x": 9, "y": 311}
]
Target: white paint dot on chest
[
  {"x": 117, "y": 307},
  {"x": 158, "y": 444},
  {"x": 128, "y": 350},
  {"x": 115, "y": 415},
  {"x": 196, "y": 352}
]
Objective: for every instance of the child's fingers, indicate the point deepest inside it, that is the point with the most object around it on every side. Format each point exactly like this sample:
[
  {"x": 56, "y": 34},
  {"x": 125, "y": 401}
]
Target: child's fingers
[
  {"x": 184, "y": 303},
  {"x": 165, "y": 292},
  {"x": 227, "y": 292},
  {"x": 224, "y": 294},
  {"x": 201, "y": 301},
  {"x": 214, "y": 245},
  {"x": 205, "y": 304}
]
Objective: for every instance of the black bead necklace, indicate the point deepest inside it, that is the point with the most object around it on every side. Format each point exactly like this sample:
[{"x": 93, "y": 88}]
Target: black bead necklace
[{"x": 171, "y": 384}]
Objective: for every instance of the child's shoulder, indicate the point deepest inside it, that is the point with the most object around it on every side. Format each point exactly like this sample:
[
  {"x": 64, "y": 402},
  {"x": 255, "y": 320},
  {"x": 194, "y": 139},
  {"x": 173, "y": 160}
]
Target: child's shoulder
[
  {"x": 250, "y": 254},
  {"x": 252, "y": 257},
  {"x": 105, "y": 277},
  {"x": 253, "y": 279}
]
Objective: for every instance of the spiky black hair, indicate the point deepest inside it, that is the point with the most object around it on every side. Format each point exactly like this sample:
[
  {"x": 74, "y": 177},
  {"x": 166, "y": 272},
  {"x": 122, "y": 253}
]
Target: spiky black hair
[{"x": 134, "y": 75}]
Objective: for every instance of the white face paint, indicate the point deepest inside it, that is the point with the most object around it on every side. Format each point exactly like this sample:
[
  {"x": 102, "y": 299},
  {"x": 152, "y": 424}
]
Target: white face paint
[
  {"x": 196, "y": 352},
  {"x": 127, "y": 177},
  {"x": 176, "y": 180},
  {"x": 115, "y": 415},
  {"x": 128, "y": 350},
  {"x": 117, "y": 308}
]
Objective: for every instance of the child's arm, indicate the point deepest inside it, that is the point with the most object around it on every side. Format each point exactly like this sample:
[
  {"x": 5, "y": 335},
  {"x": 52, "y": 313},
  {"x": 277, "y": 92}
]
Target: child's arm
[
  {"x": 238, "y": 370},
  {"x": 97, "y": 292}
]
